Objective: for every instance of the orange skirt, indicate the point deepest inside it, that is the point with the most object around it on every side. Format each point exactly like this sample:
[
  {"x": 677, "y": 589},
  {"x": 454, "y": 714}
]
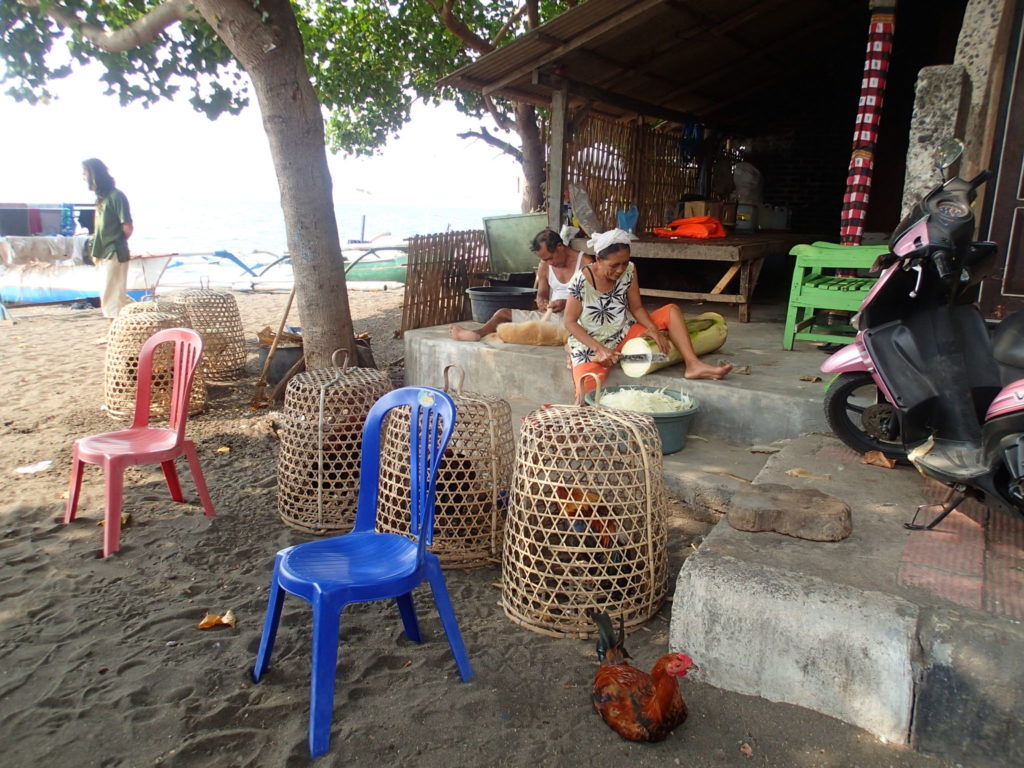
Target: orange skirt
[{"x": 660, "y": 316}]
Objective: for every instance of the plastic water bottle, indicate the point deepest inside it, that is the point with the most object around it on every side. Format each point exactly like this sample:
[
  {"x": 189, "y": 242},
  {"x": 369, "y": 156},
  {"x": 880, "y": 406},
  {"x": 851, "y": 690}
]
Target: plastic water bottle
[{"x": 67, "y": 219}]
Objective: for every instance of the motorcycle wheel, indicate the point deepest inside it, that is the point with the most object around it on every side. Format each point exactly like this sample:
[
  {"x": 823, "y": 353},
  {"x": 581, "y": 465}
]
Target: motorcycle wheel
[{"x": 860, "y": 416}]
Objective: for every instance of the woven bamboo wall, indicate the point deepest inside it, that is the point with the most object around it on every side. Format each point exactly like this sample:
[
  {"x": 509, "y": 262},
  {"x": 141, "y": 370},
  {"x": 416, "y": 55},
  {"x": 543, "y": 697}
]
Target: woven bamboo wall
[
  {"x": 621, "y": 164},
  {"x": 441, "y": 268}
]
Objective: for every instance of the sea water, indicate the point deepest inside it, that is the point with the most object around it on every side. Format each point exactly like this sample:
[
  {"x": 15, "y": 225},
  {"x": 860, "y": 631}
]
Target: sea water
[{"x": 243, "y": 227}]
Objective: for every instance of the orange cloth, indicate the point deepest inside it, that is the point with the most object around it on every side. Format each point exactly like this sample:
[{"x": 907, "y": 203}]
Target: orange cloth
[
  {"x": 660, "y": 316},
  {"x": 695, "y": 226}
]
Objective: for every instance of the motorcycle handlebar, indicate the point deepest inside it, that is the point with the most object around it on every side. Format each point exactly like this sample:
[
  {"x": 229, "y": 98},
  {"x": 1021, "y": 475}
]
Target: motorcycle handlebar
[
  {"x": 942, "y": 265},
  {"x": 980, "y": 179}
]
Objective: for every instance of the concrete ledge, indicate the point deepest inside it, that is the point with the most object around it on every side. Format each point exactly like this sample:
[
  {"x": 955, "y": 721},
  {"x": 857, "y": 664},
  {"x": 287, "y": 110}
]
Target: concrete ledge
[
  {"x": 788, "y": 637},
  {"x": 771, "y": 403}
]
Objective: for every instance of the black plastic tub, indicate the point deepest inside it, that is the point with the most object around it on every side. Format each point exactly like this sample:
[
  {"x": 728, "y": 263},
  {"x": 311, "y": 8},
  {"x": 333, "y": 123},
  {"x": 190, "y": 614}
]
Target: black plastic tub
[
  {"x": 486, "y": 301},
  {"x": 509, "y": 279}
]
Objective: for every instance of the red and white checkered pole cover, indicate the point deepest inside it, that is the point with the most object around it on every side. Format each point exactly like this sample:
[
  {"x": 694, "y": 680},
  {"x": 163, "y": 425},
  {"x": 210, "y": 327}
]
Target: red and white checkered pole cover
[{"x": 869, "y": 114}]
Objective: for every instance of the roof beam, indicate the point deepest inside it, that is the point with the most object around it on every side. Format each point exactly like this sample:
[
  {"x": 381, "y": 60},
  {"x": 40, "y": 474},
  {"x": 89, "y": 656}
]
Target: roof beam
[
  {"x": 611, "y": 98},
  {"x": 632, "y": 11}
]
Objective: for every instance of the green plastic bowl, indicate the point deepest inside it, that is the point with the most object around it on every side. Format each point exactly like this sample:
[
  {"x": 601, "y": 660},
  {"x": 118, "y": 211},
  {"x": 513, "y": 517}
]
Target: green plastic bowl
[{"x": 672, "y": 427}]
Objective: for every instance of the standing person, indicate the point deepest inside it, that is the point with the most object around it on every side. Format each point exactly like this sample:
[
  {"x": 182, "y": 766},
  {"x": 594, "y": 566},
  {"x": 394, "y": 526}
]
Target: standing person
[
  {"x": 113, "y": 227},
  {"x": 604, "y": 311},
  {"x": 558, "y": 263}
]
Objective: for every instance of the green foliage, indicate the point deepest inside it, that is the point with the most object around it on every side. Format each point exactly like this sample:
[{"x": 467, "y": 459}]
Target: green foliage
[
  {"x": 369, "y": 60},
  {"x": 34, "y": 50}
]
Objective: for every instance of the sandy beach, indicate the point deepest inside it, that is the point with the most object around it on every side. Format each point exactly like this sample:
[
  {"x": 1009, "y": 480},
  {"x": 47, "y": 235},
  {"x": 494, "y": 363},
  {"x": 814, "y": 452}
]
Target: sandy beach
[{"x": 101, "y": 662}]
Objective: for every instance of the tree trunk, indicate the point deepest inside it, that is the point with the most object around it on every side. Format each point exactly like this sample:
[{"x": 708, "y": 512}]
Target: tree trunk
[
  {"x": 533, "y": 158},
  {"x": 271, "y": 52}
]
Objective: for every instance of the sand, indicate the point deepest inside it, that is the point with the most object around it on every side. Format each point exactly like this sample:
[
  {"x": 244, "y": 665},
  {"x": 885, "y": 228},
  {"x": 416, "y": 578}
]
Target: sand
[{"x": 101, "y": 663}]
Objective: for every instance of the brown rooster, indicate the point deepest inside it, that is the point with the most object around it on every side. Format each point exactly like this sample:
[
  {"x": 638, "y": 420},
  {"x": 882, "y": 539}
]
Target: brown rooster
[{"x": 637, "y": 706}]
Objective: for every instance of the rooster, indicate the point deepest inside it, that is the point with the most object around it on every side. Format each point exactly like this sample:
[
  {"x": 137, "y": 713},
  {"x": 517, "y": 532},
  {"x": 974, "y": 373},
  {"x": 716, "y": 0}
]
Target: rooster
[{"x": 637, "y": 706}]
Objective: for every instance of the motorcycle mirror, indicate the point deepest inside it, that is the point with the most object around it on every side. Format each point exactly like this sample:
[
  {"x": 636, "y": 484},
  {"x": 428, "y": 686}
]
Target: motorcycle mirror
[{"x": 948, "y": 153}]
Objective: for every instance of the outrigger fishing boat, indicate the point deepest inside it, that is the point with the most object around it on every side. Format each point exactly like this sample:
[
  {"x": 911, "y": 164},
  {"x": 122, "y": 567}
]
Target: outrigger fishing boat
[{"x": 50, "y": 270}]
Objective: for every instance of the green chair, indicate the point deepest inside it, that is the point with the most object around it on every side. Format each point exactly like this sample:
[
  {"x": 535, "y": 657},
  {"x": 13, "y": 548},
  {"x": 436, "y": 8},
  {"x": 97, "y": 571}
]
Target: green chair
[{"x": 814, "y": 292}]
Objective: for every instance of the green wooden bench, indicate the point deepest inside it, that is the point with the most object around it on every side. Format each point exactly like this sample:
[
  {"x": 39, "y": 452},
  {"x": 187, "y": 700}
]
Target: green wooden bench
[{"x": 814, "y": 292}]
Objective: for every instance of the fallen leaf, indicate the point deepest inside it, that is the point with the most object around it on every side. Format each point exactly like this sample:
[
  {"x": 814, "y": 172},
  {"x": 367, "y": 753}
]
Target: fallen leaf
[
  {"x": 213, "y": 620},
  {"x": 126, "y": 519},
  {"x": 800, "y": 472},
  {"x": 746, "y": 750},
  {"x": 224, "y": 449},
  {"x": 878, "y": 459},
  {"x": 810, "y": 378}
]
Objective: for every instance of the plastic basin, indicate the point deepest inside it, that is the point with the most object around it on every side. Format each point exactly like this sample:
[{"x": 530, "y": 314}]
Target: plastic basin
[
  {"x": 488, "y": 300},
  {"x": 673, "y": 428}
]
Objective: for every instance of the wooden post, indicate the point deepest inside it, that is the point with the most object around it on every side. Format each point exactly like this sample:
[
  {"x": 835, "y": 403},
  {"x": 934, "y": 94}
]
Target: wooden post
[{"x": 556, "y": 155}]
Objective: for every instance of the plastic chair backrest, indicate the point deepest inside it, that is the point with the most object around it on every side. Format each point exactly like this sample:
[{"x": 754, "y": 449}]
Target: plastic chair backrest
[
  {"x": 431, "y": 423},
  {"x": 188, "y": 349}
]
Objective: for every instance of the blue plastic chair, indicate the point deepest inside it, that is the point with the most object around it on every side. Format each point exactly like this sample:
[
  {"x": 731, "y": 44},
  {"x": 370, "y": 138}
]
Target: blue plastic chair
[{"x": 365, "y": 565}]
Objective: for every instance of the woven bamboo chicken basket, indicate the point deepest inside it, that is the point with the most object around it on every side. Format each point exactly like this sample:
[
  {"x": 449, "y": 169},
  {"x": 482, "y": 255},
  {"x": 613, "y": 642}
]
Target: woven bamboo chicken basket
[
  {"x": 321, "y": 443},
  {"x": 214, "y": 315},
  {"x": 197, "y": 400},
  {"x": 128, "y": 332},
  {"x": 472, "y": 482},
  {"x": 586, "y": 528}
]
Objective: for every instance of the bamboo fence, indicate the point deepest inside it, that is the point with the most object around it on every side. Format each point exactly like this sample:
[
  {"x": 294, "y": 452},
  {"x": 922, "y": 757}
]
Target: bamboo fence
[{"x": 441, "y": 268}]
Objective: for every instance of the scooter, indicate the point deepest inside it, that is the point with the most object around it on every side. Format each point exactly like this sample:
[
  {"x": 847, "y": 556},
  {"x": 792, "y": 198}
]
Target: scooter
[{"x": 924, "y": 381}]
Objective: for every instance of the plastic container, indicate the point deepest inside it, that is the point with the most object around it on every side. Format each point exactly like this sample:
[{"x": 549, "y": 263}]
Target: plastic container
[
  {"x": 488, "y": 300},
  {"x": 673, "y": 428}
]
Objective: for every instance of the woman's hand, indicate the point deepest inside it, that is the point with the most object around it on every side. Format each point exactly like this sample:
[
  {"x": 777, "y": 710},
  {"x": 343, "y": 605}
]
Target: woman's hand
[
  {"x": 606, "y": 357},
  {"x": 659, "y": 339}
]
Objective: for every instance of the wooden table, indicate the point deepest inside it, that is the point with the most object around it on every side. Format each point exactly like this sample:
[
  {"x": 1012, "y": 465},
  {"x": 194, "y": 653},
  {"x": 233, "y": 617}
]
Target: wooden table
[{"x": 741, "y": 256}]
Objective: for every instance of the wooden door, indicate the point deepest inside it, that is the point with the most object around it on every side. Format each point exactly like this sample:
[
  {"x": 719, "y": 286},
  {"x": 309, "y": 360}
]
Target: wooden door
[{"x": 1003, "y": 292}]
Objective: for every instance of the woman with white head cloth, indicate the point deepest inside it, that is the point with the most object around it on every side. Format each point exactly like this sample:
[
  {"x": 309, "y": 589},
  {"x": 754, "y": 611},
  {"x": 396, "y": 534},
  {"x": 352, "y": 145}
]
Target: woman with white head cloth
[{"x": 604, "y": 311}]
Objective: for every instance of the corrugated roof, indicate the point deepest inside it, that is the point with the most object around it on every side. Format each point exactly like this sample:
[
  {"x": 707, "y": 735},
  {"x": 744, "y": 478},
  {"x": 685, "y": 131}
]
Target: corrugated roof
[{"x": 670, "y": 58}]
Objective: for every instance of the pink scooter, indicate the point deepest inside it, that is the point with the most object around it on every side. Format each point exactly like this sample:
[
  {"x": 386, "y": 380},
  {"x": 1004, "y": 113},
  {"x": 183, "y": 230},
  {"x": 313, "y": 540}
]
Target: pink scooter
[{"x": 925, "y": 381}]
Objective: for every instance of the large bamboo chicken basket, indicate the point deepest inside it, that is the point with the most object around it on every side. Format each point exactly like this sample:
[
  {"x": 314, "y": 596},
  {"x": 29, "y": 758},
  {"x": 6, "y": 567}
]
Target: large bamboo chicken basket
[
  {"x": 214, "y": 315},
  {"x": 586, "y": 528},
  {"x": 321, "y": 443},
  {"x": 472, "y": 482},
  {"x": 197, "y": 399},
  {"x": 129, "y": 331}
]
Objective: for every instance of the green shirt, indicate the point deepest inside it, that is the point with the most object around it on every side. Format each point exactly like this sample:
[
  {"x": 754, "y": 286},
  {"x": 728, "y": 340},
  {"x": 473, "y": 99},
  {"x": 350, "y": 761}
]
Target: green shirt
[{"x": 111, "y": 213}]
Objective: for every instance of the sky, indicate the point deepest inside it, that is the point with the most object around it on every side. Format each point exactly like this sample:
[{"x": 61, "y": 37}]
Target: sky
[{"x": 171, "y": 150}]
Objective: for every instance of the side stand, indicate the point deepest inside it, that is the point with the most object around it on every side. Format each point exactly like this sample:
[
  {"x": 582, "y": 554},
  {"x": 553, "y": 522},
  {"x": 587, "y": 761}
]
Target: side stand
[{"x": 956, "y": 494}]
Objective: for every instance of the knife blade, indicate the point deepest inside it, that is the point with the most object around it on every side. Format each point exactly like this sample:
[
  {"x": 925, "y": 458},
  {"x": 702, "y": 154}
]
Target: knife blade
[{"x": 642, "y": 357}]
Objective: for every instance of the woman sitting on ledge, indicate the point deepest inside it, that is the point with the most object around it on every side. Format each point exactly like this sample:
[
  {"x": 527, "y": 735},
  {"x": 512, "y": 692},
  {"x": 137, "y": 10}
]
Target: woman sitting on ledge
[{"x": 604, "y": 311}]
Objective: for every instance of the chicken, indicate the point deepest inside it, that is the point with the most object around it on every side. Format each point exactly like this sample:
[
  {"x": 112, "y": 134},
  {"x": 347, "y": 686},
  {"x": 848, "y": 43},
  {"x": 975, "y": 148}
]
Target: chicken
[
  {"x": 586, "y": 504},
  {"x": 637, "y": 706}
]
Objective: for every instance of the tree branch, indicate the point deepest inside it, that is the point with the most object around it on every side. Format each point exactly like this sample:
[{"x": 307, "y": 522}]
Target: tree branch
[
  {"x": 532, "y": 14},
  {"x": 494, "y": 141},
  {"x": 142, "y": 30},
  {"x": 508, "y": 25},
  {"x": 501, "y": 119},
  {"x": 455, "y": 25}
]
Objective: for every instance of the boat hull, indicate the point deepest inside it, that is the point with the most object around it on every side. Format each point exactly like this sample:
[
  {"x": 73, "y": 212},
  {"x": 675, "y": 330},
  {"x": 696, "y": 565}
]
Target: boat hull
[{"x": 58, "y": 283}]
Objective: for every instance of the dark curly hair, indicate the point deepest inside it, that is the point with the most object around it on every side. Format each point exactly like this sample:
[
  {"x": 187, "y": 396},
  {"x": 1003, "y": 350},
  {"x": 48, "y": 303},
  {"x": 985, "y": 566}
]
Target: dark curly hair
[{"x": 99, "y": 178}]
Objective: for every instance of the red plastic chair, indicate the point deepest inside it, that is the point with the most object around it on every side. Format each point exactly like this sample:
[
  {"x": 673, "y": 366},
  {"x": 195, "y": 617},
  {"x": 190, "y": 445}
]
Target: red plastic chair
[{"x": 141, "y": 443}]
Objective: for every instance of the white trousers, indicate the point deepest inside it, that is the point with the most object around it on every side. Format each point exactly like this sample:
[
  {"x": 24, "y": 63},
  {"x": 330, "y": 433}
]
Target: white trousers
[{"x": 114, "y": 285}]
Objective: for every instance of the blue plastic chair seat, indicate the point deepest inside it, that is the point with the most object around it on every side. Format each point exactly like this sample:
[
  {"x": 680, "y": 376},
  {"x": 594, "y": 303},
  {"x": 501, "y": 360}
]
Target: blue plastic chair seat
[
  {"x": 366, "y": 565},
  {"x": 351, "y": 561}
]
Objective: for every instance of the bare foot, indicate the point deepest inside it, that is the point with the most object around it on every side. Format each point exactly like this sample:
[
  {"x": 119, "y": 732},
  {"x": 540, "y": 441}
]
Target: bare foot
[
  {"x": 459, "y": 333},
  {"x": 702, "y": 370}
]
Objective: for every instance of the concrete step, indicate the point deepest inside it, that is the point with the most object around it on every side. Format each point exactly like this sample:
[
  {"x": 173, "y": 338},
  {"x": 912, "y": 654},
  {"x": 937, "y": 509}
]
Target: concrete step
[
  {"x": 913, "y": 636},
  {"x": 768, "y": 403}
]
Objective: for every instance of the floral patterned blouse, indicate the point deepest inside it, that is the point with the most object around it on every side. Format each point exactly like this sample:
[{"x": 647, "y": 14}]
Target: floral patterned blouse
[{"x": 605, "y": 315}]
